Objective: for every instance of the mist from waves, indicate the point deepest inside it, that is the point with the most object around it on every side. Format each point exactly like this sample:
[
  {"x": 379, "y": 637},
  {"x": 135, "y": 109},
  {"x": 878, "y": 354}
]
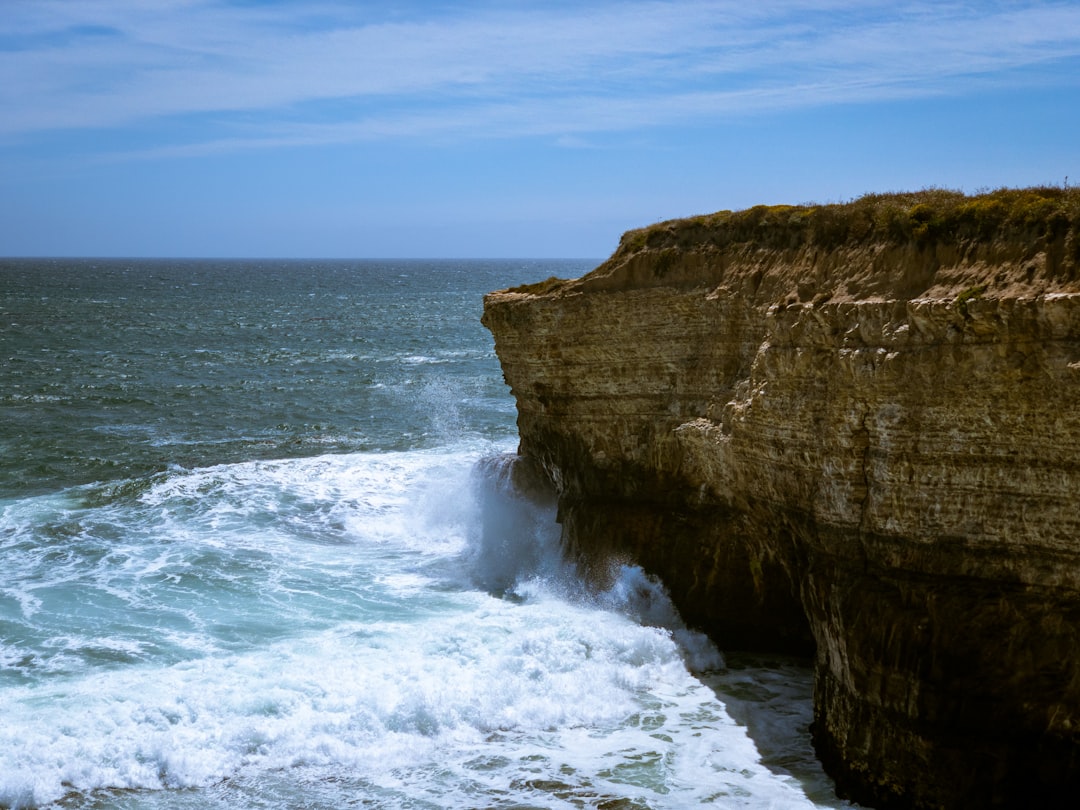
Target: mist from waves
[{"x": 519, "y": 542}]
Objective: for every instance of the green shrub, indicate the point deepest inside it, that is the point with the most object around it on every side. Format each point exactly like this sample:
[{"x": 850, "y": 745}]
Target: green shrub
[{"x": 970, "y": 294}]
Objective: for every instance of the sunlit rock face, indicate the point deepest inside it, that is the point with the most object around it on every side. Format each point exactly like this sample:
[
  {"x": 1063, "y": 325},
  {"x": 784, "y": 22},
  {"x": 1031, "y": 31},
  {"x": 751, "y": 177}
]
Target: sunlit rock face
[{"x": 847, "y": 431}]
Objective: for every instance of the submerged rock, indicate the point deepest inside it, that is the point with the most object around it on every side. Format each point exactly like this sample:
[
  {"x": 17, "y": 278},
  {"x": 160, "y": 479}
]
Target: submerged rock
[{"x": 849, "y": 431}]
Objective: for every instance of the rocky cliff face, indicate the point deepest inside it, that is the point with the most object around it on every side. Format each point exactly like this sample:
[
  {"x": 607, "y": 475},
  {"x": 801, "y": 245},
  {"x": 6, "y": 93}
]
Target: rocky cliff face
[{"x": 851, "y": 431}]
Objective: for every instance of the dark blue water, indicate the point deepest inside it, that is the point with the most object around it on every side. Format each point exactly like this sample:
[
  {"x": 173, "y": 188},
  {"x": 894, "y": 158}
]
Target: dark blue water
[
  {"x": 114, "y": 369},
  {"x": 256, "y": 552}
]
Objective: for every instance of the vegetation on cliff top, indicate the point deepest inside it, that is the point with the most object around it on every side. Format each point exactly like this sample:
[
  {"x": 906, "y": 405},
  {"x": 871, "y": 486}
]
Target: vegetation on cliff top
[
  {"x": 1034, "y": 220},
  {"x": 539, "y": 287},
  {"x": 1043, "y": 214}
]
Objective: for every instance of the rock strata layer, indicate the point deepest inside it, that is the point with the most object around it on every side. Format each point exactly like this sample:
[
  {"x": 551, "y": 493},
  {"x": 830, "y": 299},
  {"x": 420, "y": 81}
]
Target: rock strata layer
[{"x": 846, "y": 431}]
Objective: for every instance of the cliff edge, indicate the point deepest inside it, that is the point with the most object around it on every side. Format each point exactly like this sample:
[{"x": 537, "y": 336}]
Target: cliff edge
[{"x": 851, "y": 431}]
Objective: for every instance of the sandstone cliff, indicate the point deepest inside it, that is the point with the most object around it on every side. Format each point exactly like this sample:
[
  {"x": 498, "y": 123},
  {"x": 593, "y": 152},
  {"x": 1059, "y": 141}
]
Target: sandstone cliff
[{"x": 851, "y": 431}]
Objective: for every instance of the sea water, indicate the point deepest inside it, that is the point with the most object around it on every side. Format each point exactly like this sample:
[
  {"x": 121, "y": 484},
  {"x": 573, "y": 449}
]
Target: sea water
[{"x": 257, "y": 550}]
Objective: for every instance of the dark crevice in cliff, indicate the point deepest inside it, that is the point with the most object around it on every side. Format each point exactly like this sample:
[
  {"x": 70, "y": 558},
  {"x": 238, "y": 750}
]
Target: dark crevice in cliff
[{"x": 719, "y": 580}]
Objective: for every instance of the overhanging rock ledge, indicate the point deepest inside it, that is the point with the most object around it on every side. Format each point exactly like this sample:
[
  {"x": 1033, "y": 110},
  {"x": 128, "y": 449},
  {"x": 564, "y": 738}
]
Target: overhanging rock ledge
[{"x": 846, "y": 430}]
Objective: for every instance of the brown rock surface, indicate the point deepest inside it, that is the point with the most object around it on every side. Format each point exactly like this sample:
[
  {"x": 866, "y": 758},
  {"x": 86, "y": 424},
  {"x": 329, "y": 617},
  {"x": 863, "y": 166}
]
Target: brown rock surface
[{"x": 846, "y": 430}]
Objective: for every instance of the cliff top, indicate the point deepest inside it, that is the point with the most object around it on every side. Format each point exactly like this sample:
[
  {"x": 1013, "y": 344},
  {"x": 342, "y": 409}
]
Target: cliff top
[
  {"x": 931, "y": 243},
  {"x": 924, "y": 217}
]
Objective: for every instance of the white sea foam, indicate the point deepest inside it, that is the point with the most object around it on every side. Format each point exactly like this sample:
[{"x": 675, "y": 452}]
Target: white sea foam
[
  {"x": 645, "y": 599},
  {"x": 545, "y": 678},
  {"x": 418, "y": 359},
  {"x": 321, "y": 618}
]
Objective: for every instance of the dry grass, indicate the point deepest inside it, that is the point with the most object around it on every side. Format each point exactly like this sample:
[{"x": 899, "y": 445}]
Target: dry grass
[{"x": 924, "y": 217}]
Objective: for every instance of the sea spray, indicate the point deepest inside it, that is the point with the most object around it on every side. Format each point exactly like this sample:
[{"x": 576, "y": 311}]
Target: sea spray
[
  {"x": 644, "y": 598},
  {"x": 517, "y": 545},
  {"x": 516, "y": 537}
]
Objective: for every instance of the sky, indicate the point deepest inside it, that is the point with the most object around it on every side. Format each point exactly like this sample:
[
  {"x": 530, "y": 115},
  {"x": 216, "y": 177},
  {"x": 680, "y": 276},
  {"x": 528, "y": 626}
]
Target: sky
[{"x": 277, "y": 128}]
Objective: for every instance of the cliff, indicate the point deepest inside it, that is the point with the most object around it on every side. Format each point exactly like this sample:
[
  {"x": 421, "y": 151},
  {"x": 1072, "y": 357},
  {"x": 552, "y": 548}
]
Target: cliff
[{"x": 851, "y": 431}]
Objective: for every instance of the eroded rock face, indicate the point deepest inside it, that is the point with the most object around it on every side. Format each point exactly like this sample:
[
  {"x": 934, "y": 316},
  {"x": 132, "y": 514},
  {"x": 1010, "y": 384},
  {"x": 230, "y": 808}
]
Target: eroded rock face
[{"x": 870, "y": 452}]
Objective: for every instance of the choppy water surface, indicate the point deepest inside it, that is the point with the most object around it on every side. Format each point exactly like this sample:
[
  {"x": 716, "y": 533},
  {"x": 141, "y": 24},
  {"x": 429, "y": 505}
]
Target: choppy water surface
[{"x": 257, "y": 552}]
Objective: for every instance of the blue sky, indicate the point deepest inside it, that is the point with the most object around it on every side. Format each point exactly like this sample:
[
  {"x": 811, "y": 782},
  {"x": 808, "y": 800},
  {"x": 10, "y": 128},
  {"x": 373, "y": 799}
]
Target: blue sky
[{"x": 503, "y": 129}]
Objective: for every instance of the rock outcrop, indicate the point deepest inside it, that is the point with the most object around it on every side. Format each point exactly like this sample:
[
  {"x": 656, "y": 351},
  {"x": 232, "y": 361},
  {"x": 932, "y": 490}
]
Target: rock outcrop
[{"x": 849, "y": 431}]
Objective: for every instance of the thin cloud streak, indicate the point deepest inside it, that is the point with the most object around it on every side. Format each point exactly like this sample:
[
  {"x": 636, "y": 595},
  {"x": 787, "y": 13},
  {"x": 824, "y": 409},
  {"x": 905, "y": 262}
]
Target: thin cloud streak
[
  {"x": 528, "y": 72},
  {"x": 563, "y": 119}
]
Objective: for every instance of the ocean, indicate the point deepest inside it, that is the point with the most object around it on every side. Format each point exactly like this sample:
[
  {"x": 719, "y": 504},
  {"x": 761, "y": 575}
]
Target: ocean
[{"x": 258, "y": 551}]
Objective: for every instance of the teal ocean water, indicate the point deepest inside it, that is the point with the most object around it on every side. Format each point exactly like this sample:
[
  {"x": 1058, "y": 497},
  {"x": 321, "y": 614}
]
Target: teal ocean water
[{"x": 257, "y": 551}]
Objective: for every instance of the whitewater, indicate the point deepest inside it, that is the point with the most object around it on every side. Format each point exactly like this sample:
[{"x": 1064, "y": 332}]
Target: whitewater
[{"x": 259, "y": 550}]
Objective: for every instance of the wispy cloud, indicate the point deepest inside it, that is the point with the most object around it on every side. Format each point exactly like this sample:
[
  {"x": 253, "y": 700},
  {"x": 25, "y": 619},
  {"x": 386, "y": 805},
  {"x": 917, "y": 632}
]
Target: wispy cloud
[{"x": 297, "y": 73}]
